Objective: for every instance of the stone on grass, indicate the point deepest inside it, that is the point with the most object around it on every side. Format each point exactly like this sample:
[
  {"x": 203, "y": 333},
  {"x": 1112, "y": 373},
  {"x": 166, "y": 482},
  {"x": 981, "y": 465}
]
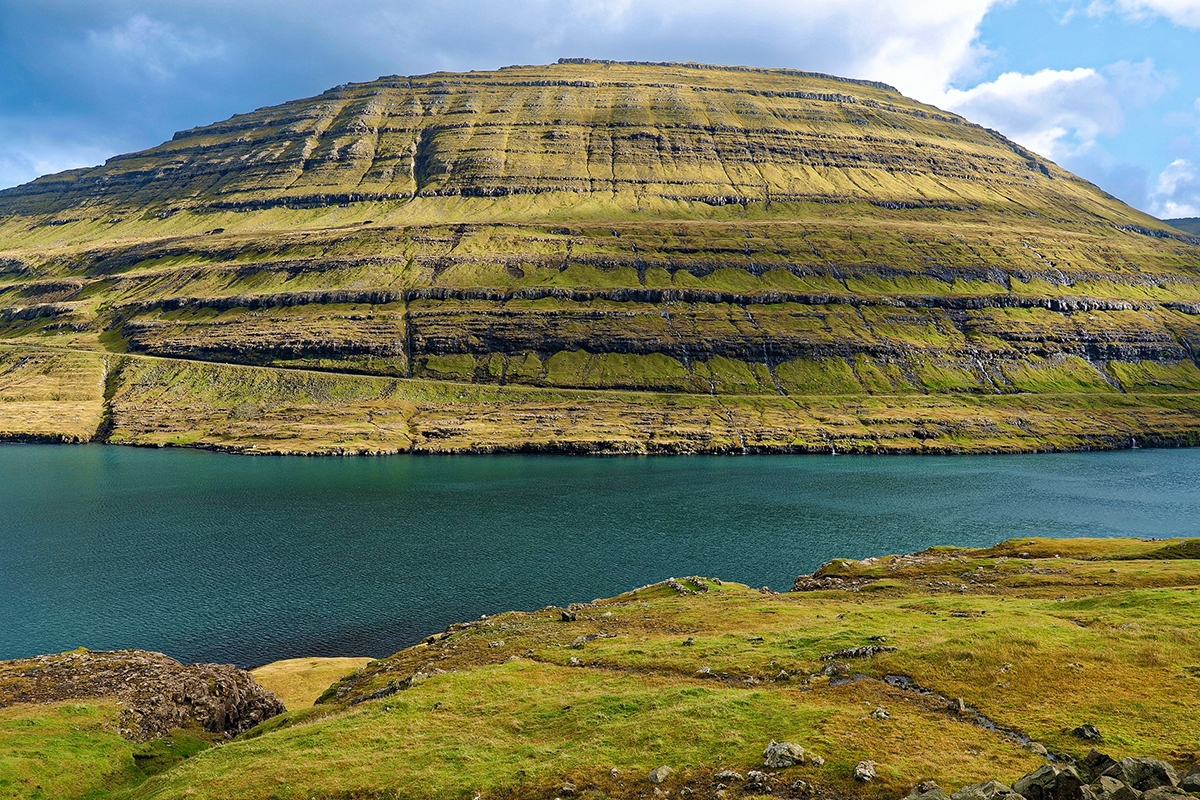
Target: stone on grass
[
  {"x": 1087, "y": 732},
  {"x": 989, "y": 790},
  {"x": 660, "y": 774},
  {"x": 864, "y": 771},
  {"x": 758, "y": 781},
  {"x": 728, "y": 775},
  {"x": 780, "y": 755},
  {"x": 927, "y": 790}
]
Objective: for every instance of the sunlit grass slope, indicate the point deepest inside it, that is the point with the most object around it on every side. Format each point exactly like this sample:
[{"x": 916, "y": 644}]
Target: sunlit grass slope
[
  {"x": 677, "y": 229},
  {"x": 1036, "y": 636}
]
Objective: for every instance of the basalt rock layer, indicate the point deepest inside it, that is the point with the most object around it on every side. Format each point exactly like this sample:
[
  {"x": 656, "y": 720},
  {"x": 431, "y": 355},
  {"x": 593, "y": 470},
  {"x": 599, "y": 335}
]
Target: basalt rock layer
[{"x": 676, "y": 229}]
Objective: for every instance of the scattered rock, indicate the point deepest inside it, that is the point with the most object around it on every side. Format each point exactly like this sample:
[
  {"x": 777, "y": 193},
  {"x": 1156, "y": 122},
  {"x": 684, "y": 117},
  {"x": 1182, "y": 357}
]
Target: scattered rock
[
  {"x": 880, "y": 713},
  {"x": 780, "y": 755},
  {"x": 783, "y": 675},
  {"x": 816, "y": 761},
  {"x": 567, "y": 790},
  {"x": 1087, "y": 733},
  {"x": 837, "y": 669},
  {"x": 497, "y": 643},
  {"x": 575, "y": 662},
  {"x": 866, "y": 651},
  {"x": 989, "y": 790},
  {"x": 568, "y": 616},
  {"x": 660, "y": 774},
  {"x": 689, "y": 641},
  {"x": 799, "y": 787},
  {"x": 614, "y": 772},
  {"x": 758, "y": 781},
  {"x": 705, "y": 670},
  {"x": 686, "y": 791},
  {"x": 729, "y": 775},
  {"x": 864, "y": 771},
  {"x": 1038, "y": 749},
  {"x": 579, "y": 642}
]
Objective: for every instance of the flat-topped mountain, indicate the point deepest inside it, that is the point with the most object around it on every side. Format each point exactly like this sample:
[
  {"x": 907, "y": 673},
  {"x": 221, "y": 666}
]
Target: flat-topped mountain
[
  {"x": 629, "y": 136},
  {"x": 742, "y": 259}
]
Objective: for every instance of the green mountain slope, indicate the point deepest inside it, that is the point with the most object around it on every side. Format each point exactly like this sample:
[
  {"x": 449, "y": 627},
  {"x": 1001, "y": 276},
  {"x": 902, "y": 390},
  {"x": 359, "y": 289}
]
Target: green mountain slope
[{"x": 762, "y": 236}]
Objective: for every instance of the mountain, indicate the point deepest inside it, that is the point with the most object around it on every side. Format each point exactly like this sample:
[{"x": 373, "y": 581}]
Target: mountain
[
  {"x": 594, "y": 256},
  {"x": 1189, "y": 224}
]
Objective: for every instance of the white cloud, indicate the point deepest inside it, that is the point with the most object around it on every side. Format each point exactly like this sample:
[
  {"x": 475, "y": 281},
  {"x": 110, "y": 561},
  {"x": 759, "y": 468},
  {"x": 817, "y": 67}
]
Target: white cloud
[
  {"x": 158, "y": 49},
  {"x": 1180, "y": 12},
  {"x": 1060, "y": 113},
  {"x": 1177, "y": 193},
  {"x": 919, "y": 47}
]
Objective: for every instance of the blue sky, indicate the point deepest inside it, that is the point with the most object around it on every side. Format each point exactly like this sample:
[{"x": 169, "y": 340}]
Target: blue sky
[{"x": 1107, "y": 88}]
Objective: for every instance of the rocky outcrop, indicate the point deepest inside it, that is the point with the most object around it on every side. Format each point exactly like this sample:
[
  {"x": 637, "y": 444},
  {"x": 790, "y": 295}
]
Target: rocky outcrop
[
  {"x": 159, "y": 693},
  {"x": 1097, "y": 776}
]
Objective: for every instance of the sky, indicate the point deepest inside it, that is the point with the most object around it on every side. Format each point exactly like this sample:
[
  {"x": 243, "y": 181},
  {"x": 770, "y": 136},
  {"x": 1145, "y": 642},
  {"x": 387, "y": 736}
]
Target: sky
[{"x": 1109, "y": 89}]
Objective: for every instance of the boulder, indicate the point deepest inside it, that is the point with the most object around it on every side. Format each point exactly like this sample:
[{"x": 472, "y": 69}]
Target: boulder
[
  {"x": 729, "y": 776},
  {"x": 991, "y": 790},
  {"x": 1087, "y": 733},
  {"x": 1050, "y": 783},
  {"x": 780, "y": 755},
  {"x": 1166, "y": 793},
  {"x": 864, "y": 771},
  {"x": 660, "y": 774},
  {"x": 927, "y": 790},
  {"x": 1191, "y": 783},
  {"x": 1143, "y": 774},
  {"x": 1093, "y": 765},
  {"x": 1106, "y": 788}
]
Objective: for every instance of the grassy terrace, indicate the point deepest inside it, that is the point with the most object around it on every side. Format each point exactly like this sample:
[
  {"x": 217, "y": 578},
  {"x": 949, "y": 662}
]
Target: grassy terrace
[
  {"x": 151, "y": 401},
  {"x": 1036, "y": 635}
]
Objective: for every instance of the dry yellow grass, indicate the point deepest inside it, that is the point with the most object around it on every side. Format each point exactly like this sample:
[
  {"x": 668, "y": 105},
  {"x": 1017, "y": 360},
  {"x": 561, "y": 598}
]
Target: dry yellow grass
[{"x": 298, "y": 682}]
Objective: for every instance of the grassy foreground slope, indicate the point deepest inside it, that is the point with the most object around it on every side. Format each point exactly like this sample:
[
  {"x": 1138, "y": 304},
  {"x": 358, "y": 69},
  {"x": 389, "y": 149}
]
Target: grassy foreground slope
[
  {"x": 1034, "y": 637},
  {"x": 686, "y": 231}
]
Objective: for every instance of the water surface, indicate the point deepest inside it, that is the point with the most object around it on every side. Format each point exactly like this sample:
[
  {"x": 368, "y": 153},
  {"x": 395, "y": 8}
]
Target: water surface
[{"x": 238, "y": 559}]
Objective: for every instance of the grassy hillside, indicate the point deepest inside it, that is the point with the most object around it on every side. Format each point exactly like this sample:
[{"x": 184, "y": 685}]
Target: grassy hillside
[
  {"x": 983, "y": 658},
  {"x": 676, "y": 229}
]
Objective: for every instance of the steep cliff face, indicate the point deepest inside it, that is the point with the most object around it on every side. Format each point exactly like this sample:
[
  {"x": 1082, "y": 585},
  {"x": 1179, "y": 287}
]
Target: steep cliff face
[{"x": 598, "y": 225}]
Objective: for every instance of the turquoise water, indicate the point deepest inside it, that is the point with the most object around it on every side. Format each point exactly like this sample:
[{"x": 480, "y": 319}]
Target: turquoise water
[{"x": 236, "y": 559}]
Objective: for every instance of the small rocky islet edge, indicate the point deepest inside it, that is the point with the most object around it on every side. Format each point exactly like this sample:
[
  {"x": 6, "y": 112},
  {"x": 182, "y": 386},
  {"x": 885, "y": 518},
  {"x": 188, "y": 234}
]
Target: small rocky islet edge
[{"x": 1000, "y": 673}]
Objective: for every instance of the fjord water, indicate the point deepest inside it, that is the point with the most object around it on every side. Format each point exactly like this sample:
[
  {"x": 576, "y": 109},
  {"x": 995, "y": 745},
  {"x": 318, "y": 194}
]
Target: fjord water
[{"x": 211, "y": 557}]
